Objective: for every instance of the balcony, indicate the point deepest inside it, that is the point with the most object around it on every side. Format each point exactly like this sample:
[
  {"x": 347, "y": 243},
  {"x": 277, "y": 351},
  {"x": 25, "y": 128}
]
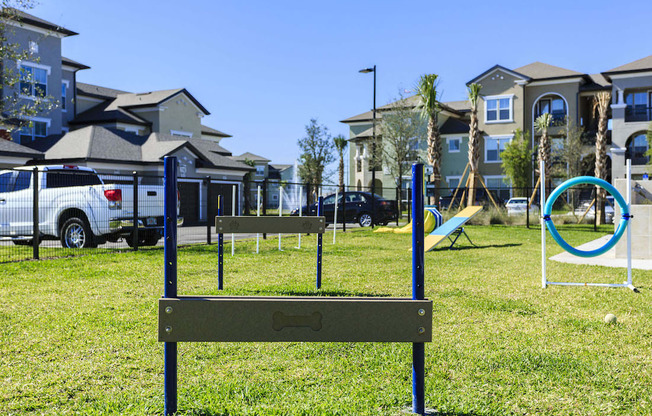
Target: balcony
[{"x": 638, "y": 113}]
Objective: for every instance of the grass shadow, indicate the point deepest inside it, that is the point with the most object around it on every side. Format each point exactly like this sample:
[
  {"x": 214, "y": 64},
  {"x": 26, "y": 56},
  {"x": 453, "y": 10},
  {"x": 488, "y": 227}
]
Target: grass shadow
[
  {"x": 312, "y": 292},
  {"x": 466, "y": 247}
]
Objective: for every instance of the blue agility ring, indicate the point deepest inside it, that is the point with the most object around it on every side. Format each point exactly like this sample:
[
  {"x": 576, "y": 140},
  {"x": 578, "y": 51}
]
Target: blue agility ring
[{"x": 622, "y": 225}]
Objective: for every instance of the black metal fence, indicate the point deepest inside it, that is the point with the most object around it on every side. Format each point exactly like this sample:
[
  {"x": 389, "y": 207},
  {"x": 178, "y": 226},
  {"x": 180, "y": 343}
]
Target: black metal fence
[{"x": 71, "y": 211}]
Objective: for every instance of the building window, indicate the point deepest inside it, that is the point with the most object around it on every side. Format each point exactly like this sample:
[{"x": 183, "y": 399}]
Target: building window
[
  {"x": 637, "y": 106},
  {"x": 453, "y": 181},
  {"x": 260, "y": 170},
  {"x": 498, "y": 186},
  {"x": 636, "y": 148},
  {"x": 555, "y": 106},
  {"x": 33, "y": 81},
  {"x": 181, "y": 133},
  {"x": 35, "y": 128},
  {"x": 453, "y": 145},
  {"x": 64, "y": 88},
  {"x": 494, "y": 147},
  {"x": 498, "y": 109}
]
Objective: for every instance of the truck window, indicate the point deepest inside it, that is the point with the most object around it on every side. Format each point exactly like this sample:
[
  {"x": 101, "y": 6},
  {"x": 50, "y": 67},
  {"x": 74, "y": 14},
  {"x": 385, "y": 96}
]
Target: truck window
[
  {"x": 7, "y": 182},
  {"x": 15, "y": 181},
  {"x": 65, "y": 179},
  {"x": 23, "y": 180}
]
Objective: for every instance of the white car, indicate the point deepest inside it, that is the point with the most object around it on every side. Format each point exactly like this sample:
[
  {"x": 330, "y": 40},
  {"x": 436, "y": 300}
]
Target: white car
[
  {"x": 518, "y": 205},
  {"x": 608, "y": 210}
]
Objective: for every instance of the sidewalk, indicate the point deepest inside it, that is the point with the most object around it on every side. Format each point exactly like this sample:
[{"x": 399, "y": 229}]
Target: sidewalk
[{"x": 607, "y": 259}]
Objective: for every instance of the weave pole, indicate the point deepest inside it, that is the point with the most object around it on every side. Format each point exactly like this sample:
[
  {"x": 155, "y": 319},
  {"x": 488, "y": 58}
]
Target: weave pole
[
  {"x": 418, "y": 348},
  {"x": 233, "y": 213},
  {"x": 170, "y": 277}
]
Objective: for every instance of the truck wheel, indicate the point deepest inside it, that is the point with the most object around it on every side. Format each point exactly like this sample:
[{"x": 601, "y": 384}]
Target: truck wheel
[
  {"x": 76, "y": 233},
  {"x": 151, "y": 239}
]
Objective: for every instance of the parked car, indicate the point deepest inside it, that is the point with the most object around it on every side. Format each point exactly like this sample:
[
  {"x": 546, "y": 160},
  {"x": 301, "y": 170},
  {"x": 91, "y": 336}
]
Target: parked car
[
  {"x": 77, "y": 208},
  {"x": 358, "y": 209},
  {"x": 518, "y": 205},
  {"x": 608, "y": 210}
]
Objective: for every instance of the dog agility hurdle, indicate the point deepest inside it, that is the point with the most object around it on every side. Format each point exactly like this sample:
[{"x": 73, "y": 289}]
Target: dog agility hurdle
[{"x": 291, "y": 319}]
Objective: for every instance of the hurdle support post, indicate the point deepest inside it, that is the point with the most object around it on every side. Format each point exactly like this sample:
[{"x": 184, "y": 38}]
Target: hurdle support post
[
  {"x": 220, "y": 247},
  {"x": 542, "y": 196},
  {"x": 170, "y": 277},
  {"x": 418, "y": 255},
  {"x": 320, "y": 210},
  {"x": 629, "y": 281}
]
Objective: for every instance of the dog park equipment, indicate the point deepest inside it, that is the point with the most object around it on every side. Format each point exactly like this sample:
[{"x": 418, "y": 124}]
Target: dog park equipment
[
  {"x": 454, "y": 226},
  {"x": 432, "y": 220},
  {"x": 290, "y": 319},
  {"x": 239, "y": 225},
  {"x": 546, "y": 222}
]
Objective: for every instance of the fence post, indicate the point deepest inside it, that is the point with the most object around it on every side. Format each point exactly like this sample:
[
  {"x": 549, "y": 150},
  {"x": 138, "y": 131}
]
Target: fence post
[
  {"x": 36, "y": 233},
  {"x": 344, "y": 209},
  {"x": 134, "y": 233},
  {"x": 208, "y": 209},
  {"x": 398, "y": 204}
]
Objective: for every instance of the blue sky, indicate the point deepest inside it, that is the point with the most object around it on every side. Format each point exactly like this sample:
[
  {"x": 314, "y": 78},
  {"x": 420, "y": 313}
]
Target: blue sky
[{"x": 264, "y": 69}]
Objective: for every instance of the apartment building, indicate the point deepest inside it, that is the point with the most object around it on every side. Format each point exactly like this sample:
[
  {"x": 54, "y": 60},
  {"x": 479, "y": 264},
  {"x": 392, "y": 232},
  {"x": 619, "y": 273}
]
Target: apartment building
[{"x": 512, "y": 99}]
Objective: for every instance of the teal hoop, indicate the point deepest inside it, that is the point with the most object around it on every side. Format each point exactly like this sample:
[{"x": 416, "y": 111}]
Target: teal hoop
[{"x": 622, "y": 225}]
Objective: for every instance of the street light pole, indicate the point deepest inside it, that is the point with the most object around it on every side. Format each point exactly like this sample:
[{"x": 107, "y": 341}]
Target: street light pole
[{"x": 373, "y": 150}]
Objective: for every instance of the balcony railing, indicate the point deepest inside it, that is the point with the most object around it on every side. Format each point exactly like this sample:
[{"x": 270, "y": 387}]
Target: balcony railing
[{"x": 638, "y": 113}]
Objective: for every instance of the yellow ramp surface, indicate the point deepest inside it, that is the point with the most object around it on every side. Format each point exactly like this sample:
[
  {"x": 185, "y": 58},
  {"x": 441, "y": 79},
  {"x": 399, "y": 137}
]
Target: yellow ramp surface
[
  {"x": 428, "y": 225},
  {"x": 440, "y": 234}
]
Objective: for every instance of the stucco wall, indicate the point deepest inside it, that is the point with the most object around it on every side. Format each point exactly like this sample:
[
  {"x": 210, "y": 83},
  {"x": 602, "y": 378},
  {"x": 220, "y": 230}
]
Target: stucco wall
[
  {"x": 180, "y": 114},
  {"x": 49, "y": 54},
  {"x": 568, "y": 91}
]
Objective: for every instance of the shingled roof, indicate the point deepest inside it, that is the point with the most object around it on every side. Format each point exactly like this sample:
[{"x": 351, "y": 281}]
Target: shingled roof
[
  {"x": 95, "y": 91},
  {"x": 540, "y": 70},
  {"x": 25, "y": 18},
  {"x": 640, "y": 65},
  {"x": 101, "y": 114},
  {"x": 209, "y": 131},
  {"x": 70, "y": 62},
  {"x": 10, "y": 148},
  {"x": 94, "y": 143},
  {"x": 151, "y": 98}
]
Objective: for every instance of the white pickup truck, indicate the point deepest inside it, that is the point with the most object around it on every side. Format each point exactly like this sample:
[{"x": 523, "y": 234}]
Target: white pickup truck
[{"x": 77, "y": 208}]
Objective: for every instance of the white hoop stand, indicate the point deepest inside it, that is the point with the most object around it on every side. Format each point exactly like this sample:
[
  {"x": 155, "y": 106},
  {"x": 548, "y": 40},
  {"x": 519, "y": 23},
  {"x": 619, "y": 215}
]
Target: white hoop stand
[{"x": 544, "y": 282}]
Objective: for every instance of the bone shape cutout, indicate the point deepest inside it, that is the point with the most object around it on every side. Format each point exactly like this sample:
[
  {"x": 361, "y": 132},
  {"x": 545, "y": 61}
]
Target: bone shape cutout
[{"x": 281, "y": 320}]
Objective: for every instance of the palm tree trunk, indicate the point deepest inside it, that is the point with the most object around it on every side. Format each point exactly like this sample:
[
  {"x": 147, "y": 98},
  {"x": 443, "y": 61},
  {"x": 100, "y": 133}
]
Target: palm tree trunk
[
  {"x": 473, "y": 155},
  {"x": 601, "y": 104},
  {"x": 341, "y": 171},
  {"x": 434, "y": 156}
]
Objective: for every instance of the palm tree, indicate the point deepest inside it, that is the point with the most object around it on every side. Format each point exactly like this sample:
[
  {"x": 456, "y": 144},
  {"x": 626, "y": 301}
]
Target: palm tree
[
  {"x": 601, "y": 105},
  {"x": 474, "y": 141},
  {"x": 541, "y": 124},
  {"x": 426, "y": 89},
  {"x": 340, "y": 145}
]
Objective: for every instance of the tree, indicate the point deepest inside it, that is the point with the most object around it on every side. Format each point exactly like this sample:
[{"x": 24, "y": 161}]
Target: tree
[
  {"x": 474, "y": 141},
  {"x": 317, "y": 152},
  {"x": 517, "y": 162},
  {"x": 426, "y": 89},
  {"x": 402, "y": 131},
  {"x": 542, "y": 123},
  {"x": 570, "y": 153},
  {"x": 14, "y": 109},
  {"x": 601, "y": 105},
  {"x": 340, "y": 145}
]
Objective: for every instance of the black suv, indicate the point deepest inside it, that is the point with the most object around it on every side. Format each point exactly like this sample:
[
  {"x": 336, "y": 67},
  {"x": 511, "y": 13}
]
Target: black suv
[{"x": 358, "y": 209}]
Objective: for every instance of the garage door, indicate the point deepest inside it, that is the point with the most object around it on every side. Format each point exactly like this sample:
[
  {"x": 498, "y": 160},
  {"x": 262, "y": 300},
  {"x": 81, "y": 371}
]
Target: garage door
[{"x": 189, "y": 209}]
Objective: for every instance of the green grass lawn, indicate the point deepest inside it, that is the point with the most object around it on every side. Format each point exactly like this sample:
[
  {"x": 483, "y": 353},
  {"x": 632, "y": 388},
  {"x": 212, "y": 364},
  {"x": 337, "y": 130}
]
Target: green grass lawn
[{"x": 79, "y": 335}]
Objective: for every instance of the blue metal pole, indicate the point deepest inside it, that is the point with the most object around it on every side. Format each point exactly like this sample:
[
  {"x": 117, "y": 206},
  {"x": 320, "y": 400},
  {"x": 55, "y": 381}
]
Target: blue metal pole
[
  {"x": 418, "y": 350},
  {"x": 170, "y": 276},
  {"x": 220, "y": 247},
  {"x": 320, "y": 211}
]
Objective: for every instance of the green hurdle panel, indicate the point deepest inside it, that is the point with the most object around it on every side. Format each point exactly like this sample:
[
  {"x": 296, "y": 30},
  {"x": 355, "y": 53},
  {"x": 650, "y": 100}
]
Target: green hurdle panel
[
  {"x": 294, "y": 319},
  {"x": 271, "y": 225}
]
